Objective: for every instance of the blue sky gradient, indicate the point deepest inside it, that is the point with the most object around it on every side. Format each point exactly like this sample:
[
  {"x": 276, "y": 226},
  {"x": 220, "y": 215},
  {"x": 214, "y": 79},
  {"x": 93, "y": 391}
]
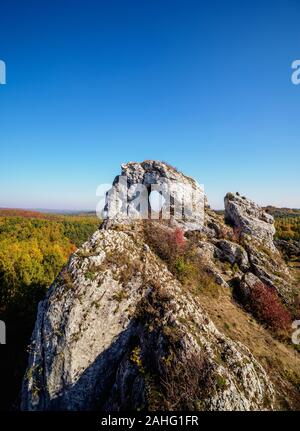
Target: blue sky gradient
[{"x": 203, "y": 85}]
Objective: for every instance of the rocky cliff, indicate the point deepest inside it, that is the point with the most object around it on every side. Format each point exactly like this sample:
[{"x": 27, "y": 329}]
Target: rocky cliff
[{"x": 131, "y": 321}]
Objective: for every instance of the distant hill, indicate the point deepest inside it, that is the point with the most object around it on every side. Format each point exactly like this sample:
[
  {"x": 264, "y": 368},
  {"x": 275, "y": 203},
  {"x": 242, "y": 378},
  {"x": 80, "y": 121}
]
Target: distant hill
[
  {"x": 44, "y": 213},
  {"x": 282, "y": 212},
  {"x": 287, "y": 223},
  {"x": 12, "y": 212}
]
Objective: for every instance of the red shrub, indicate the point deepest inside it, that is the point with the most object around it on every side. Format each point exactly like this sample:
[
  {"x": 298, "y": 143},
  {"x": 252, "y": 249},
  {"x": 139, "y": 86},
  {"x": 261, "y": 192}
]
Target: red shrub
[
  {"x": 178, "y": 238},
  {"x": 167, "y": 243},
  {"x": 267, "y": 307}
]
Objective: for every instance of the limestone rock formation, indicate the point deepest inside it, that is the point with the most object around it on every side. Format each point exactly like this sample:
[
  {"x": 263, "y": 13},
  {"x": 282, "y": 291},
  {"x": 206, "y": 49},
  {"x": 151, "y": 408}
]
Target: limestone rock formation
[
  {"x": 248, "y": 282},
  {"x": 177, "y": 195},
  {"x": 250, "y": 219},
  {"x": 120, "y": 330},
  {"x": 233, "y": 253},
  {"x": 289, "y": 248},
  {"x": 92, "y": 350}
]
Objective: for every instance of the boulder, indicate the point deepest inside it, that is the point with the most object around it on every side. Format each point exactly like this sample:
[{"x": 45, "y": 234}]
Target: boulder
[
  {"x": 250, "y": 219},
  {"x": 289, "y": 248},
  {"x": 232, "y": 253},
  {"x": 247, "y": 283}
]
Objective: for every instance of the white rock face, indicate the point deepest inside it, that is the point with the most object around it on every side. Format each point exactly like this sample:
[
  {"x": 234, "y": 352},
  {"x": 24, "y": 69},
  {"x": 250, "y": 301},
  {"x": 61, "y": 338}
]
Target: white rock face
[
  {"x": 87, "y": 330},
  {"x": 178, "y": 197},
  {"x": 250, "y": 219}
]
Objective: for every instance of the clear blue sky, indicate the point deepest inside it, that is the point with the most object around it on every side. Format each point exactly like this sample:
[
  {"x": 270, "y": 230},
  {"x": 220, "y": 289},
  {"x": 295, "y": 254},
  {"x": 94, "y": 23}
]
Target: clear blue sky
[{"x": 203, "y": 85}]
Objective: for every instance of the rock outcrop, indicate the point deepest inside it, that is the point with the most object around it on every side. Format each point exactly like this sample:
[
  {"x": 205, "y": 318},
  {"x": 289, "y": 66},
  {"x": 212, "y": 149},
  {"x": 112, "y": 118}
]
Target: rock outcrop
[
  {"x": 290, "y": 249},
  {"x": 248, "y": 282},
  {"x": 118, "y": 330},
  {"x": 91, "y": 348},
  {"x": 232, "y": 253},
  {"x": 174, "y": 195},
  {"x": 250, "y": 219},
  {"x": 254, "y": 229}
]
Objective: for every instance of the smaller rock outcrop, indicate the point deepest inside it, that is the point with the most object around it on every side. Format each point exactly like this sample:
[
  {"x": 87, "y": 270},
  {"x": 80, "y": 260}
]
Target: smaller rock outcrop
[
  {"x": 232, "y": 253},
  {"x": 289, "y": 248},
  {"x": 250, "y": 219},
  {"x": 248, "y": 283}
]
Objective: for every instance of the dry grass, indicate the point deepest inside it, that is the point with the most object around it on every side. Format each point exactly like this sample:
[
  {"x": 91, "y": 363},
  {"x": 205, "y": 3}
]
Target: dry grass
[
  {"x": 186, "y": 382},
  {"x": 281, "y": 361},
  {"x": 173, "y": 381},
  {"x": 295, "y": 269}
]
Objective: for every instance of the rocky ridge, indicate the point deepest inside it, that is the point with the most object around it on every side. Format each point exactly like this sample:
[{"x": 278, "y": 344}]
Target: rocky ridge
[{"x": 119, "y": 330}]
